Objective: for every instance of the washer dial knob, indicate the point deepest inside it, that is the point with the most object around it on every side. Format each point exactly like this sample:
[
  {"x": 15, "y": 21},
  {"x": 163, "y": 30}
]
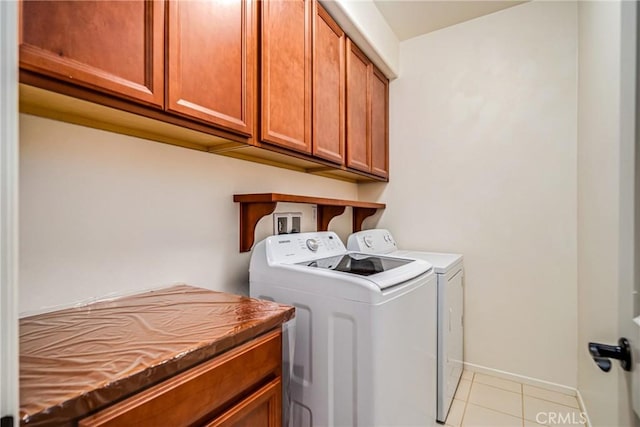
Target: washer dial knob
[{"x": 312, "y": 244}]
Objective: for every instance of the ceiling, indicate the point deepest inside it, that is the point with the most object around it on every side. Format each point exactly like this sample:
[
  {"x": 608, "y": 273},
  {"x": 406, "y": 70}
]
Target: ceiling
[{"x": 411, "y": 18}]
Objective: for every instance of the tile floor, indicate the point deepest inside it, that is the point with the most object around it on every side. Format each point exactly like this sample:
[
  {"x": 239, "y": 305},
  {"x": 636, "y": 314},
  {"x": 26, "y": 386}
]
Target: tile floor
[{"x": 486, "y": 401}]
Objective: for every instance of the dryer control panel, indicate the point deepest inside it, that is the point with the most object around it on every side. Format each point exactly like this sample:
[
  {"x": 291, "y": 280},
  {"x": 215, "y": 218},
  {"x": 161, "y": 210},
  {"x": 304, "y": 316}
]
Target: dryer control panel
[
  {"x": 293, "y": 248},
  {"x": 376, "y": 241}
]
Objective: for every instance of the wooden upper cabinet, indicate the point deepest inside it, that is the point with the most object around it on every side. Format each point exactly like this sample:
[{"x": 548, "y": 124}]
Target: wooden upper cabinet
[
  {"x": 367, "y": 139},
  {"x": 110, "y": 46},
  {"x": 328, "y": 87},
  {"x": 212, "y": 62},
  {"x": 286, "y": 73},
  {"x": 379, "y": 124},
  {"x": 200, "y": 64},
  {"x": 358, "y": 128}
]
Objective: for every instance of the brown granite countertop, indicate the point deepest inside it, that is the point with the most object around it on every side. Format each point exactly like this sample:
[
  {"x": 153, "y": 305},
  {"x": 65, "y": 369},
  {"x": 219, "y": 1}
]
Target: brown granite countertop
[{"x": 75, "y": 361}]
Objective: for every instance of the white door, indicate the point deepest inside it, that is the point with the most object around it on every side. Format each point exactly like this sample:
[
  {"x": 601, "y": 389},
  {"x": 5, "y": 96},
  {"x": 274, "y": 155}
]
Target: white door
[
  {"x": 8, "y": 212},
  {"x": 607, "y": 197}
]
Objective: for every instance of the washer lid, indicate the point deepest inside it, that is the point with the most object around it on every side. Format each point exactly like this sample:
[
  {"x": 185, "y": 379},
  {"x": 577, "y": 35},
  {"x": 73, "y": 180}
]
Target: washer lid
[
  {"x": 358, "y": 263},
  {"x": 381, "y": 271}
]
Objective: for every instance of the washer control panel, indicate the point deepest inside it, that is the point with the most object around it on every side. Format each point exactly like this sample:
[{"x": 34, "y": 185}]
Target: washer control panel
[
  {"x": 292, "y": 248},
  {"x": 376, "y": 241}
]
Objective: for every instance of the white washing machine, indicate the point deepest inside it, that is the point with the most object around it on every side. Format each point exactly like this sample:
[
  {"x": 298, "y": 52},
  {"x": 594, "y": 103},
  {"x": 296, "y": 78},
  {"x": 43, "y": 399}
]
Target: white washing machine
[
  {"x": 365, "y": 331},
  {"x": 449, "y": 271}
]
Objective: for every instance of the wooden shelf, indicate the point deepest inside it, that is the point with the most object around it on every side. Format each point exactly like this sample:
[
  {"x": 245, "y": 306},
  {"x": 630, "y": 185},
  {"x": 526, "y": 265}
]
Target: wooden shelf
[{"x": 254, "y": 206}]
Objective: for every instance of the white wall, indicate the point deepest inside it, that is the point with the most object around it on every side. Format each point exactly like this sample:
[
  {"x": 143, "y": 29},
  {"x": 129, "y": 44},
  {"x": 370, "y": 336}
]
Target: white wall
[
  {"x": 605, "y": 202},
  {"x": 104, "y": 214},
  {"x": 483, "y": 162}
]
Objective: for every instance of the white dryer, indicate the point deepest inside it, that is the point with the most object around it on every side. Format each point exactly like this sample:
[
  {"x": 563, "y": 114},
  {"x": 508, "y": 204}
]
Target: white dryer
[
  {"x": 361, "y": 357},
  {"x": 449, "y": 271}
]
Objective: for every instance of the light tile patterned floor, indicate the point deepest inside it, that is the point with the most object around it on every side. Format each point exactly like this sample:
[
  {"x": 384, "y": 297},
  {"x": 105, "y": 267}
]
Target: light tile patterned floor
[{"x": 486, "y": 401}]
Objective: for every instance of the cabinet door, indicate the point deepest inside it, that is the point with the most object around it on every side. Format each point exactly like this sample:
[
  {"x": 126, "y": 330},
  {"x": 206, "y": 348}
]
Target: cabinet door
[
  {"x": 358, "y": 137},
  {"x": 209, "y": 388},
  {"x": 328, "y": 87},
  {"x": 379, "y": 123},
  {"x": 212, "y": 62},
  {"x": 261, "y": 409},
  {"x": 110, "y": 46},
  {"x": 286, "y": 73}
]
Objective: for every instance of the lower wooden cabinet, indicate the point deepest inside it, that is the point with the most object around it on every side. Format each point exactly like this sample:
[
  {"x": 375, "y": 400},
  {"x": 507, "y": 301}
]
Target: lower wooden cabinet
[
  {"x": 261, "y": 409},
  {"x": 241, "y": 387}
]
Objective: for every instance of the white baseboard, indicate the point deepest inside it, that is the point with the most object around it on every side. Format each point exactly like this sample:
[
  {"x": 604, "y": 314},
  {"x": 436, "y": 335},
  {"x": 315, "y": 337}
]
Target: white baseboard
[{"x": 521, "y": 379}]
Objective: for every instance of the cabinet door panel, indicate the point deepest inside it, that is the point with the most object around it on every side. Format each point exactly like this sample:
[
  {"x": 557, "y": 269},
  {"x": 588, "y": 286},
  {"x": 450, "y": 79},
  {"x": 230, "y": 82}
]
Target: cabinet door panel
[
  {"x": 286, "y": 73},
  {"x": 194, "y": 395},
  {"x": 358, "y": 137},
  {"x": 328, "y": 87},
  {"x": 212, "y": 62},
  {"x": 379, "y": 124},
  {"x": 261, "y": 409},
  {"x": 111, "y": 46}
]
